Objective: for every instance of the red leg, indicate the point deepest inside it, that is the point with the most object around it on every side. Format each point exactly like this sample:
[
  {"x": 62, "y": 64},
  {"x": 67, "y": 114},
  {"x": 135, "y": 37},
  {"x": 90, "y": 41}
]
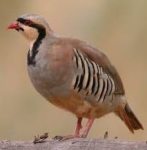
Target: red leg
[
  {"x": 87, "y": 128},
  {"x": 78, "y": 127},
  {"x": 77, "y": 132}
]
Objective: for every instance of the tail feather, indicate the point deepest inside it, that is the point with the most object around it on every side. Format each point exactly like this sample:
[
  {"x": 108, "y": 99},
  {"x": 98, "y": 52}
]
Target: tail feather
[{"x": 127, "y": 115}]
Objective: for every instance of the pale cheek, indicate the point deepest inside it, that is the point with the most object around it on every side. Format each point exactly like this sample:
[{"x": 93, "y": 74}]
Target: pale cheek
[{"x": 30, "y": 33}]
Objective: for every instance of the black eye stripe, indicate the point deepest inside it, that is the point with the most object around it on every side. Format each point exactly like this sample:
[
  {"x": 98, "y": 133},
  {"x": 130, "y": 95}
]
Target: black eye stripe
[
  {"x": 21, "y": 20},
  {"x": 26, "y": 22},
  {"x": 30, "y": 24}
]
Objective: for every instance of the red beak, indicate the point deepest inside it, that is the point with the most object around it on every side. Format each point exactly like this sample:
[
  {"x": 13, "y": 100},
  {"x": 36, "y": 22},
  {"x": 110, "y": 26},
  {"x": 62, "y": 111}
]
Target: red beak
[{"x": 14, "y": 25}]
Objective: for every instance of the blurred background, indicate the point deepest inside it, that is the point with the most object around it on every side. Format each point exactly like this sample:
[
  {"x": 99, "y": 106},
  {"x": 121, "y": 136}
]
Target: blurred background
[{"x": 119, "y": 28}]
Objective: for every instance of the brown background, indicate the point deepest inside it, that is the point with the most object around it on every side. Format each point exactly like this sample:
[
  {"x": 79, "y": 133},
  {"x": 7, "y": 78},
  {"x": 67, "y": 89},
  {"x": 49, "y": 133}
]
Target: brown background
[{"x": 117, "y": 27}]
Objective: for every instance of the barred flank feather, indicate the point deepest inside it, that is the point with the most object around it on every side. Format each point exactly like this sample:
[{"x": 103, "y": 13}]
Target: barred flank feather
[{"x": 91, "y": 78}]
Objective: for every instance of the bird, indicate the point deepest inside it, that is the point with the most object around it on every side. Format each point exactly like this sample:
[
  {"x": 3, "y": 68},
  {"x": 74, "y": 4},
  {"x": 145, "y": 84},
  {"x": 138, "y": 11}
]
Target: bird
[{"x": 73, "y": 75}]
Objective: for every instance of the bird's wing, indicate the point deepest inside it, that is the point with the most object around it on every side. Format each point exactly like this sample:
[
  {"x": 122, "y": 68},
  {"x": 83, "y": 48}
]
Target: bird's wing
[
  {"x": 102, "y": 61},
  {"x": 93, "y": 73}
]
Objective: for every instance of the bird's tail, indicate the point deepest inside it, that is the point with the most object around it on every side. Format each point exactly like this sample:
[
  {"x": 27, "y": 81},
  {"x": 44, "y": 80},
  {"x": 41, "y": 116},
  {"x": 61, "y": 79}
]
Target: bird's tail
[{"x": 127, "y": 115}]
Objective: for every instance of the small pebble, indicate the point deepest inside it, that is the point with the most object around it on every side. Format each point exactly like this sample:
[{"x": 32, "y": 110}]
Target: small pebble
[{"x": 106, "y": 135}]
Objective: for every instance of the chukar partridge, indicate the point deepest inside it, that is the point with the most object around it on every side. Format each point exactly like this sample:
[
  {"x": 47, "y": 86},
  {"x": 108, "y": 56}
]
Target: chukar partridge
[{"x": 73, "y": 75}]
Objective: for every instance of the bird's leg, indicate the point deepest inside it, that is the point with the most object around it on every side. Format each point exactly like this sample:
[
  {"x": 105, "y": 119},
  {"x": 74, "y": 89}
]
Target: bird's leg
[
  {"x": 78, "y": 127},
  {"x": 75, "y": 135},
  {"x": 87, "y": 128}
]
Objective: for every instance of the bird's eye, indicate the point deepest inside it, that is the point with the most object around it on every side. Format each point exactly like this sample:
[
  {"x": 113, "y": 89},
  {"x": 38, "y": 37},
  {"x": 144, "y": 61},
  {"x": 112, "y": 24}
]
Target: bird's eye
[{"x": 28, "y": 22}]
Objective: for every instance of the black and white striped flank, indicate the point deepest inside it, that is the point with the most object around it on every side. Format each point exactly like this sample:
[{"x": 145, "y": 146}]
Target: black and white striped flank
[{"x": 91, "y": 79}]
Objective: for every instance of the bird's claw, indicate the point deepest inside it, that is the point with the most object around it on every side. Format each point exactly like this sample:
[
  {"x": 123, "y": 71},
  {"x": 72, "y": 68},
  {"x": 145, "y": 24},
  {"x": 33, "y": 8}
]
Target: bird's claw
[
  {"x": 63, "y": 138},
  {"x": 58, "y": 138}
]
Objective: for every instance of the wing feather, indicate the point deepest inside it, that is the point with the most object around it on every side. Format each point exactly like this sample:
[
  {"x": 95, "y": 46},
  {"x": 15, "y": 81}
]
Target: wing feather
[{"x": 102, "y": 60}]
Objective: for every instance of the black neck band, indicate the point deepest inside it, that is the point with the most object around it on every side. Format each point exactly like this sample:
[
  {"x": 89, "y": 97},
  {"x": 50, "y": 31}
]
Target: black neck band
[{"x": 41, "y": 35}]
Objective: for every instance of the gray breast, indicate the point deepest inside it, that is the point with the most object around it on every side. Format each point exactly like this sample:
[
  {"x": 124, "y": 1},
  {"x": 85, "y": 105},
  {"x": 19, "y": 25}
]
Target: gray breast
[{"x": 48, "y": 80}]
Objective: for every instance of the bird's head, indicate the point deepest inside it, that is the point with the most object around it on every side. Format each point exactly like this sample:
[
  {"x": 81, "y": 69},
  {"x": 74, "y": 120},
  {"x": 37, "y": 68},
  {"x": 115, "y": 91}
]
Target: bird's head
[{"x": 31, "y": 26}]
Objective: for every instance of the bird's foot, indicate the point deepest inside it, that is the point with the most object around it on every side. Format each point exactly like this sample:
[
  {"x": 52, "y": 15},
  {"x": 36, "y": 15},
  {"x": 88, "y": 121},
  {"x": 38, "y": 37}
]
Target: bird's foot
[
  {"x": 67, "y": 137},
  {"x": 40, "y": 139}
]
